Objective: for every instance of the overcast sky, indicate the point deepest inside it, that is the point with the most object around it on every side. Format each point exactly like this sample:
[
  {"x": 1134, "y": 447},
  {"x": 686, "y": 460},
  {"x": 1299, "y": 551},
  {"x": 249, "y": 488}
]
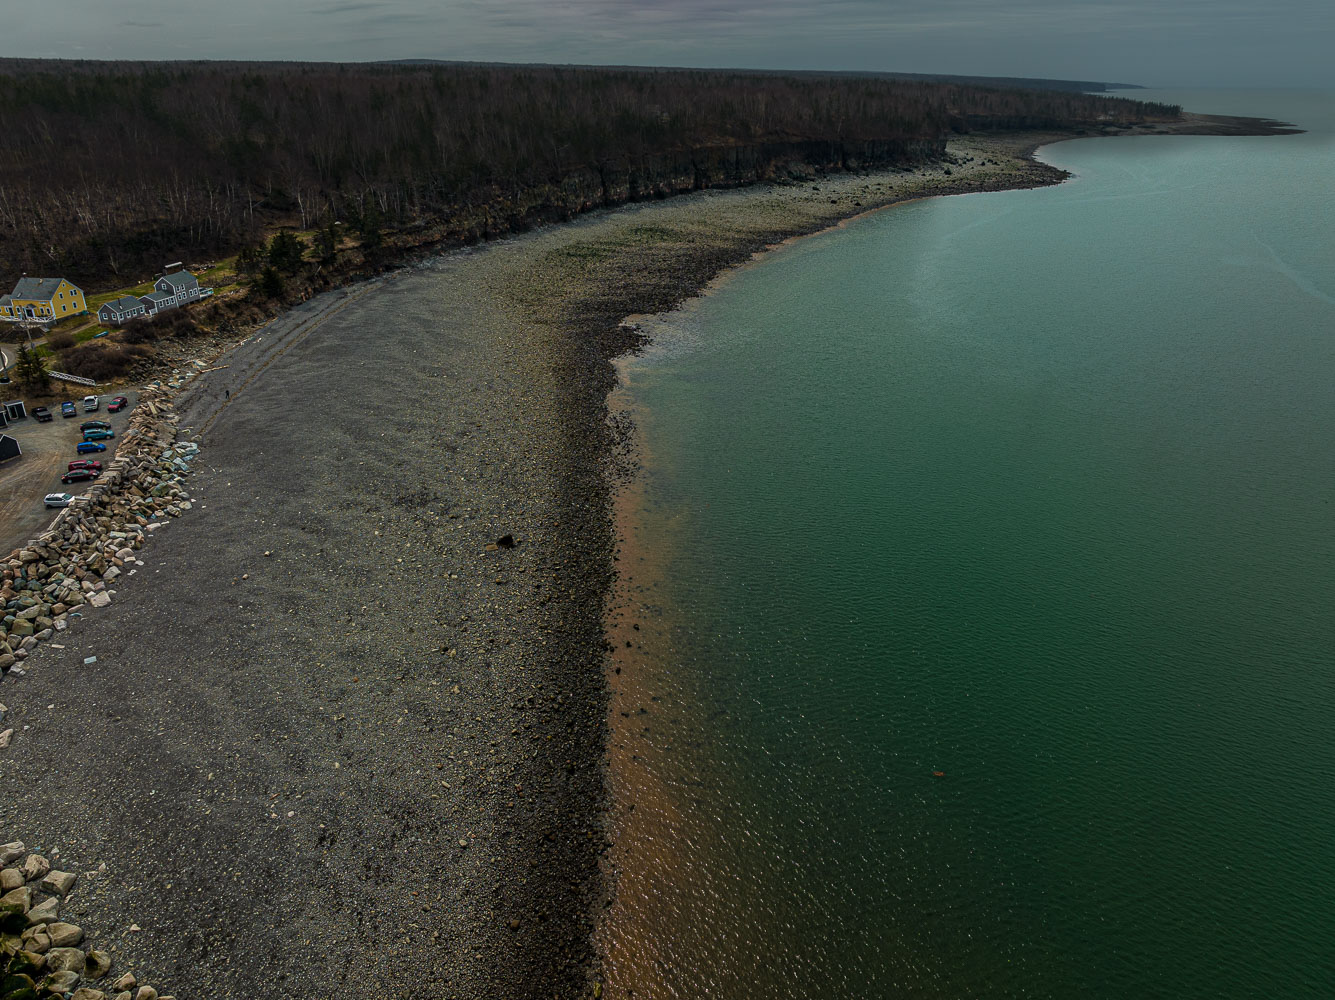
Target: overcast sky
[{"x": 1154, "y": 42}]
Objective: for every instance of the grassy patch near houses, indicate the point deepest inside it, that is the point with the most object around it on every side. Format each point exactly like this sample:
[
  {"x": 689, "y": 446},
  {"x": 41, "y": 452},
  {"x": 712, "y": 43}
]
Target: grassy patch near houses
[
  {"x": 81, "y": 328},
  {"x": 100, "y": 299},
  {"x": 69, "y": 324},
  {"x": 222, "y": 277},
  {"x": 221, "y": 273}
]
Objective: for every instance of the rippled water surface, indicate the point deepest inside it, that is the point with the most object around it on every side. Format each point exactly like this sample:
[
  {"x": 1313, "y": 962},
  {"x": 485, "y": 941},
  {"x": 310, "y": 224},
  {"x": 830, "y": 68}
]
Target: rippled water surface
[{"x": 1035, "y": 489}]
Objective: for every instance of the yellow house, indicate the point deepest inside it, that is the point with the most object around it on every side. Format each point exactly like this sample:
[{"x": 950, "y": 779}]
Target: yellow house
[{"x": 42, "y": 300}]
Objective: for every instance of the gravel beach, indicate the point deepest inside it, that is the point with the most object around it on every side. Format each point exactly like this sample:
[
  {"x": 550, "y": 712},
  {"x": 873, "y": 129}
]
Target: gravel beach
[{"x": 336, "y": 739}]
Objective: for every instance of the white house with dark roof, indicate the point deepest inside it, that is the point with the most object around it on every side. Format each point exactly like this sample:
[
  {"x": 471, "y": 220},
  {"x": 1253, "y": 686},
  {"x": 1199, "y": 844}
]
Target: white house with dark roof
[
  {"x": 120, "y": 311},
  {"x": 172, "y": 290}
]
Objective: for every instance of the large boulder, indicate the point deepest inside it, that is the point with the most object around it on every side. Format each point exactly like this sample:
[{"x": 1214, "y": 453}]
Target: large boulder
[
  {"x": 66, "y": 960},
  {"x": 64, "y": 935}
]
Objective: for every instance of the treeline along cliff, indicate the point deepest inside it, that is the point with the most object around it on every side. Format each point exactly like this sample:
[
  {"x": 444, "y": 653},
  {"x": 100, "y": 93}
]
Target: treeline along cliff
[{"x": 108, "y": 168}]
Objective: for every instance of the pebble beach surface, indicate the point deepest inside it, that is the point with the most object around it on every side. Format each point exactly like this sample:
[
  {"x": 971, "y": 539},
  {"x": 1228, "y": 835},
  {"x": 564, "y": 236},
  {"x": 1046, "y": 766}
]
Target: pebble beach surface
[{"x": 336, "y": 739}]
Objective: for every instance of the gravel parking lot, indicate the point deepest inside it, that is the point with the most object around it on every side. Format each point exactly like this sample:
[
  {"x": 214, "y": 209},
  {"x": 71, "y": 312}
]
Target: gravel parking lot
[{"x": 48, "y": 448}]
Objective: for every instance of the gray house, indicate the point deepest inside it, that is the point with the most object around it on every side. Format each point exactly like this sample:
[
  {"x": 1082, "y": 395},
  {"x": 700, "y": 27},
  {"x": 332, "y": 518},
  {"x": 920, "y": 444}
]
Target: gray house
[
  {"x": 120, "y": 310},
  {"x": 173, "y": 290},
  {"x": 156, "y": 302}
]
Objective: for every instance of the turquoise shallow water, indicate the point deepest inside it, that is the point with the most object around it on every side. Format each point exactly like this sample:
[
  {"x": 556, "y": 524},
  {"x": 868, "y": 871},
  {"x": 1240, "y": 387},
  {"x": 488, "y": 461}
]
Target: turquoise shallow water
[{"x": 1036, "y": 489}]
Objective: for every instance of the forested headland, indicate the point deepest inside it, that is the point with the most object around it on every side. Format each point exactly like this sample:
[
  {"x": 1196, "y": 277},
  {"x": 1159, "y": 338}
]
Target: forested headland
[{"x": 110, "y": 169}]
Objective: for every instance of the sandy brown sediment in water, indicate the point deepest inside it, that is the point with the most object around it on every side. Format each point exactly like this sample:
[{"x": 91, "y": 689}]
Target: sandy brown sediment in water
[{"x": 331, "y": 743}]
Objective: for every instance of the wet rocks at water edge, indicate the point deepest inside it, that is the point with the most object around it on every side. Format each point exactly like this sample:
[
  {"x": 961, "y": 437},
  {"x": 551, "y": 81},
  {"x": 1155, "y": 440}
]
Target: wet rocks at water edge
[
  {"x": 92, "y": 544},
  {"x": 41, "y": 955}
]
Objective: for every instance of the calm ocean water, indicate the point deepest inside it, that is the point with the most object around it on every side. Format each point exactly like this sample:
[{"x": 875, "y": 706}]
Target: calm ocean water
[{"x": 1035, "y": 489}]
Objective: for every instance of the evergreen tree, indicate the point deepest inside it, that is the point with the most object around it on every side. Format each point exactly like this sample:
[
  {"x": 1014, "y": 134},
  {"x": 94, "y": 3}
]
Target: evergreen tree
[
  {"x": 250, "y": 260},
  {"x": 270, "y": 283},
  {"x": 368, "y": 227},
  {"x": 30, "y": 369},
  {"x": 326, "y": 243},
  {"x": 286, "y": 253}
]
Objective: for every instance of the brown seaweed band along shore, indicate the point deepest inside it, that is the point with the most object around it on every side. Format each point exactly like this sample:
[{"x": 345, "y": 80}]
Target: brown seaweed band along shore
[{"x": 335, "y": 740}]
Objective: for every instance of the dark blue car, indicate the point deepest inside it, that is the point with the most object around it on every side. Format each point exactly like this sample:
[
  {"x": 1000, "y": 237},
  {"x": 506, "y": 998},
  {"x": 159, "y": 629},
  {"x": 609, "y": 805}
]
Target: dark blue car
[
  {"x": 84, "y": 447},
  {"x": 67, "y": 409}
]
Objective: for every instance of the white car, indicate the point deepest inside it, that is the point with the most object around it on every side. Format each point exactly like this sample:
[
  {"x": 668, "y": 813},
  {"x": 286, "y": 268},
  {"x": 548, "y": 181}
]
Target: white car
[
  {"x": 90, "y": 404},
  {"x": 59, "y": 499}
]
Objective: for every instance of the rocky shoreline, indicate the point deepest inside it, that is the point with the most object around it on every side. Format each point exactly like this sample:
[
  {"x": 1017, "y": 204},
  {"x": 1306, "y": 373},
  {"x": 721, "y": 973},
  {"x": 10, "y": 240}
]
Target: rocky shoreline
[
  {"x": 71, "y": 566},
  {"x": 348, "y": 722},
  {"x": 42, "y": 955}
]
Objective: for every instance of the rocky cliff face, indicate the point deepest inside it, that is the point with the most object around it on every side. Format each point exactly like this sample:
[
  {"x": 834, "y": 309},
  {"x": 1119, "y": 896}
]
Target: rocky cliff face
[
  {"x": 629, "y": 179},
  {"x": 734, "y": 166}
]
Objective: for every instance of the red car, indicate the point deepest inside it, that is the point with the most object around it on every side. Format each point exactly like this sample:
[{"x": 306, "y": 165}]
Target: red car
[
  {"x": 117, "y": 404},
  {"x": 79, "y": 475},
  {"x": 86, "y": 463}
]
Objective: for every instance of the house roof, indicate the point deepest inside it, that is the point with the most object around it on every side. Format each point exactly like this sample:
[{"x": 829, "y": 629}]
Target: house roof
[
  {"x": 40, "y": 289},
  {"x": 155, "y": 297},
  {"x": 123, "y": 303},
  {"x": 181, "y": 280}
]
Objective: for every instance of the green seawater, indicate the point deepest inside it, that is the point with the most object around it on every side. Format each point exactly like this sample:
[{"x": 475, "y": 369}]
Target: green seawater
[{"x": 1035, "y": 489}]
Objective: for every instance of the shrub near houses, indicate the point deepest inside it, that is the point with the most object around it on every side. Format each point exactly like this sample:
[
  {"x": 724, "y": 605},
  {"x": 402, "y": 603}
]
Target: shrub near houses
[{"x": 102, "y": 360}]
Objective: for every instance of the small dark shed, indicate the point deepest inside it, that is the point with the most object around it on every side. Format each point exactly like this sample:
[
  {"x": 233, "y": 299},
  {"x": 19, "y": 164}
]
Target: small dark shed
[
  {"x": 15, "y": 410},
  {"x": 9, "y": 448}
]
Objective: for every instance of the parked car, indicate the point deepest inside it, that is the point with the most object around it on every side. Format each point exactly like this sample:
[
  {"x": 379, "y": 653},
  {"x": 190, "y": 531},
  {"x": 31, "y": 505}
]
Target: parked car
[
  {"x": 117, "y": 404},
  {"x": 67, "y": 409},
  {"x": 89, "y": 425},
  {"x": 98, "y": 434},
  {"x": 79, "y": 475},
  {"x": 42, "y": 414},
  {"x": 85, "y": 463},
  {"x": 85, "y": 447},
  {"x": 91, "y": 403},
  {"x": 59, "y": 499}
]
